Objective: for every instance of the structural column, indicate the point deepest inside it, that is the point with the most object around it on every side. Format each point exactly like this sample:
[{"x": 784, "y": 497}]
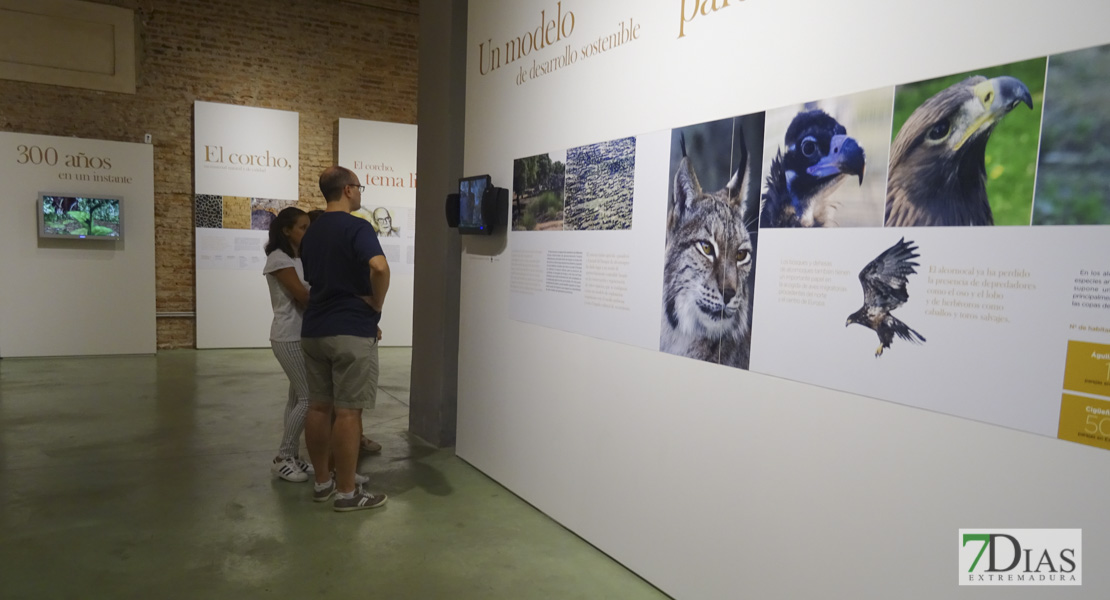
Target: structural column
[{"x": 440, "y": 117}]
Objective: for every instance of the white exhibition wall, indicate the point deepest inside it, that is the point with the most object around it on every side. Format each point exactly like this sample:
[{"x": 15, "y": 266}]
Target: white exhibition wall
[
  {"x": 246, "y": 171},
  {"x": 63, "y": 297},
  {"x": 383, "y": 155},
  {"x": 715, "y": 482}
]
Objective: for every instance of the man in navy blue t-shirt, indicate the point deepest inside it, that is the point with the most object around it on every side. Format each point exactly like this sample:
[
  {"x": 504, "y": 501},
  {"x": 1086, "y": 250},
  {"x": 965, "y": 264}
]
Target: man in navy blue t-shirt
[{"x": 348, "y": 278}]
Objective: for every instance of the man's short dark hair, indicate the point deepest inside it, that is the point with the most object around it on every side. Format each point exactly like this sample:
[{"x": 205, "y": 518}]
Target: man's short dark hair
[{"x": 334, "y": 179}]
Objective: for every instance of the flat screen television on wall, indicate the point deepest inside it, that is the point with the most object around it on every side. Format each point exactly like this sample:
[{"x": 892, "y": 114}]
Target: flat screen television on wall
[
  {"x": 477, "y": 210},
  {"x": 73, "y": 217}
]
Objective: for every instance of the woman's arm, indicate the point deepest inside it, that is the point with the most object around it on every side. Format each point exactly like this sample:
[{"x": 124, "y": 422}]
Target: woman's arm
[{"x": 288, "y": 279}]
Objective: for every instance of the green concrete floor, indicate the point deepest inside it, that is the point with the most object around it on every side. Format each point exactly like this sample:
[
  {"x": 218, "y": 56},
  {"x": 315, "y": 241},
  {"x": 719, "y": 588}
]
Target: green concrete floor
[{"x": 148, "y": 477}]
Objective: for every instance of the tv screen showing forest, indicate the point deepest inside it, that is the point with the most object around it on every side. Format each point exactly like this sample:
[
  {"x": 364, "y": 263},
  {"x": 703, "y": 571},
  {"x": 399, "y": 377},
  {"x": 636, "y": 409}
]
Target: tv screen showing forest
[{"x": 79, "y": 217}]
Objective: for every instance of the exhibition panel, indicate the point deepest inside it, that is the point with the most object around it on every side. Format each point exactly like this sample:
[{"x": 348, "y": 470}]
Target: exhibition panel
[
  {"x": 826, "y": 201},
  {"x": 246, "y": 171},
  {"x": 383, "y": 155},
  {"x": 819, "y": 194},
  {"x": 75, "y": 281}
]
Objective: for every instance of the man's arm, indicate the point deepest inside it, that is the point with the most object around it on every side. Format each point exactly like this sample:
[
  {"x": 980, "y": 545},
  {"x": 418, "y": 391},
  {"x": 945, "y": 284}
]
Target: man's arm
[{"x": 379, "y": 282}]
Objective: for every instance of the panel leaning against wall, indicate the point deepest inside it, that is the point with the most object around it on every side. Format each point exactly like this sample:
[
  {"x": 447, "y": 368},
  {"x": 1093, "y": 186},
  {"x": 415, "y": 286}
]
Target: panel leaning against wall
[
  {"x": 383, "y": 155},
  {"x": 246, "y": 171},
  {"x": 867, "y": 243},
  {"x": 77, "y": 234}
]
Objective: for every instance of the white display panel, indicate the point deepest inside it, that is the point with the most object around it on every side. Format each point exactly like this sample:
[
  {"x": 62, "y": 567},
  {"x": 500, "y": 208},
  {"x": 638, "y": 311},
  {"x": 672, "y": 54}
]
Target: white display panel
[
  {"x": 383, "y": 155},
  {"x": 977, "y": 331},
  {"x": 246, "y": 170},
  {"x": 246, "y": 151},
  {"x": 606, "y": 437},
  {"x": 64, "y": 297},
  {"x": 233, "y": 309},
  {"x": 599, "y": 283},
  {"x": 803, "y": 196}
]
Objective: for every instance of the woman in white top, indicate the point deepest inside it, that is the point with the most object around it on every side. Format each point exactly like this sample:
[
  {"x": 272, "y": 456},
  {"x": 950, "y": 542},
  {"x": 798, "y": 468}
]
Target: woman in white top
[{"x": 288, "y": 297}]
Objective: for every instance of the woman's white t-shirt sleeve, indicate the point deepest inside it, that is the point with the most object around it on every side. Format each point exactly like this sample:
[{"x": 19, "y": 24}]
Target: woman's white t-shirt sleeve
[
  {"x": 286, "y": 326},
  {"x": 276, "y": 261}
]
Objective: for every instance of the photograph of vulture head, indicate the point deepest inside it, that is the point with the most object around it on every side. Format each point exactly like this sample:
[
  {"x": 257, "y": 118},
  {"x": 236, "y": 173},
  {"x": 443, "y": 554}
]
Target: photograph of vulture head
[
  {"x": 884, "y": 289},
  {"x": 817, "y": 156},
  {"x": 944, "y": 168}
]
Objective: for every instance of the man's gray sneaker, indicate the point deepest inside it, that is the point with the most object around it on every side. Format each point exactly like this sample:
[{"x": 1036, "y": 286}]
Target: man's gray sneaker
[
  {"x": 324, "y": 494},
  {"x": 359, "y": 501}
]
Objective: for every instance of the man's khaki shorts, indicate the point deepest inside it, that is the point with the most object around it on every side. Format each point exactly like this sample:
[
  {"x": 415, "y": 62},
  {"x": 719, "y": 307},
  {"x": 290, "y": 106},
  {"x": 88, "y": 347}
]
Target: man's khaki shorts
[{"x": 342, "y": 370}]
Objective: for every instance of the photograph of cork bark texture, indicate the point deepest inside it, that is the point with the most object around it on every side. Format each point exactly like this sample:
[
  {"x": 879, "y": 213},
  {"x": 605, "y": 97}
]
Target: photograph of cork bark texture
[
  {"x": 599, "y": 186},
  {"x": 538, "y": 186},
  {"x": 1073, "y": 173},
  {"x": 237, "y": 212},
  {"x": 209, "y": 211},
  {"x": 964, "y": 148},
  {"x": 264, "y": 210}
]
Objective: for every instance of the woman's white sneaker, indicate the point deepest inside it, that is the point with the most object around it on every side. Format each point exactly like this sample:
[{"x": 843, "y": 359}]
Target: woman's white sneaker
[{"x": 287, "y": 469}]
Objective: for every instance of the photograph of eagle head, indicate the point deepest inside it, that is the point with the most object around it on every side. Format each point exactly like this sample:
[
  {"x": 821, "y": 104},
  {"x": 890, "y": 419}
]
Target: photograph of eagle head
[
  {"x": 817, "y": 156},
  {"x": 937, "y": 170},
  {"x": 884, "y": 289}
]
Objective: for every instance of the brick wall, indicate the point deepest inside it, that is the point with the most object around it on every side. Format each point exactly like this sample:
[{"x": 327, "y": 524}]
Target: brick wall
[{"x": 324, "y": 59}]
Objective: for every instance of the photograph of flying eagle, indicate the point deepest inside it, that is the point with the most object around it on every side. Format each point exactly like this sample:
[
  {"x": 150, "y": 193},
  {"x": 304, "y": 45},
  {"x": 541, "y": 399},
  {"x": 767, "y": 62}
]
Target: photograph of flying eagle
[
  {"x": 941, "y": 167},
  {"x": 884, "y": 290},
  {"x": 817, "y": 157}
]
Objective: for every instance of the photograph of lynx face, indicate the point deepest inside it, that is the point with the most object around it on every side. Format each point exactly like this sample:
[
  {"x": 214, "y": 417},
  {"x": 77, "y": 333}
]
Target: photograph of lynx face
[{"x": 707, "y": 263}]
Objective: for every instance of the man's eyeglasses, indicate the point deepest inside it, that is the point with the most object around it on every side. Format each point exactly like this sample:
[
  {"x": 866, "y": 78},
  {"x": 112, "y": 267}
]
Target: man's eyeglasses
[{"x": 360, "y": 187}]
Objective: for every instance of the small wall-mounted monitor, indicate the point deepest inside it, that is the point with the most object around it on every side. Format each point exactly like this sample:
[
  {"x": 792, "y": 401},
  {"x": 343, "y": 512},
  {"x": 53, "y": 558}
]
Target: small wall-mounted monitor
[
  {"x": 477, "y": 205},
  {"x": 72, "y": 217}
]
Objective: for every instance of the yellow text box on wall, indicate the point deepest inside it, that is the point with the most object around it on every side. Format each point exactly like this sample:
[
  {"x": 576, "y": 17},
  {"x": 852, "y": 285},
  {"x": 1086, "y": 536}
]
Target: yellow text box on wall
[
  {"x": 1085, "y": 420},
  {"x": 1088, "y": 368}
]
